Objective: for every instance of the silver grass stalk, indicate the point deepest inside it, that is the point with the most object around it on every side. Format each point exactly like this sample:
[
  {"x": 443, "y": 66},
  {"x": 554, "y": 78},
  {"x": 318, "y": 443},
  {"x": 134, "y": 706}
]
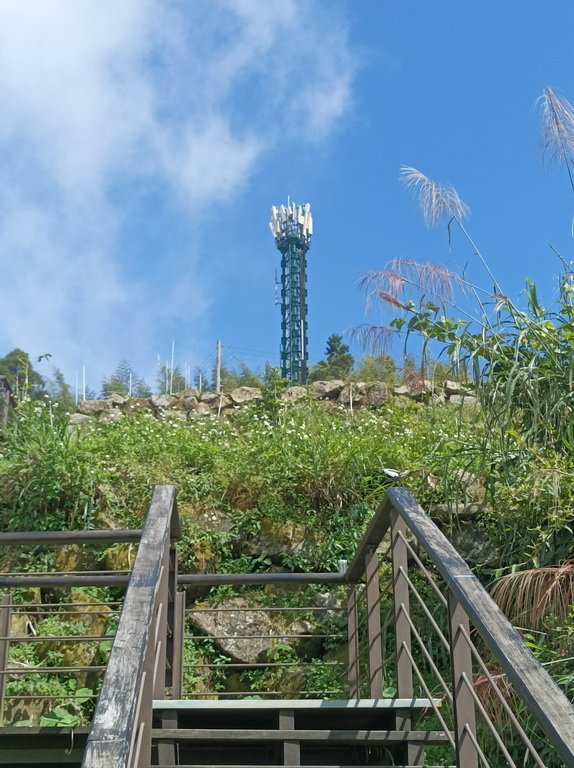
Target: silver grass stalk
[
  {"x": 434, "y": 199},
  {"x": 557, "y": 132}
]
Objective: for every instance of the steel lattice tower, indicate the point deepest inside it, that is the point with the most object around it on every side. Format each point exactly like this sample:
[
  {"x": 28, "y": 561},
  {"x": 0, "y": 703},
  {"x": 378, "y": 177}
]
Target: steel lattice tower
[{"x": 292, "y": 228}]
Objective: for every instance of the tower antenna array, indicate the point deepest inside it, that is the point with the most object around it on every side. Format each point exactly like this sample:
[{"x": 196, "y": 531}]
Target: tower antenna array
[{"x": 292, "y": 228}]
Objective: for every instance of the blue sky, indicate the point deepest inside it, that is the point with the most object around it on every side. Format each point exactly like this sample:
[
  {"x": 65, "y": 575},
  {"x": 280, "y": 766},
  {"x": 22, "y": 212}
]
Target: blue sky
[{"x": 143, "y": 142}]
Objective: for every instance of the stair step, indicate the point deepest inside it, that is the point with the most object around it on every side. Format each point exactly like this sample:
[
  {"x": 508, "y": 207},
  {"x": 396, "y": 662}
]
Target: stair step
[
  {"x": 300, "y": 735},
  {"x": 295, "y": 704}
]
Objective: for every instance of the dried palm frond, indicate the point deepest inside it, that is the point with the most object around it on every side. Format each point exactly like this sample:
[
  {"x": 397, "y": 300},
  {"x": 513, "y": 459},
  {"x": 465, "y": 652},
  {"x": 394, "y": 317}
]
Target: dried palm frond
[
  {"x": 557, "y": 136},
  {"x": 375, "y": 338},
  {"x": 434, "y": 199},
  {"x": 530, "y": 597},
  {"x": 489, "y": 699}
]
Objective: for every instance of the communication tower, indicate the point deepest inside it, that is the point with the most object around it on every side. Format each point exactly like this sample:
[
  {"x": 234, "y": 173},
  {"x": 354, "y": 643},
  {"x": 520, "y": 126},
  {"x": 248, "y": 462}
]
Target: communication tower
[{"x": 292, "y": 228}]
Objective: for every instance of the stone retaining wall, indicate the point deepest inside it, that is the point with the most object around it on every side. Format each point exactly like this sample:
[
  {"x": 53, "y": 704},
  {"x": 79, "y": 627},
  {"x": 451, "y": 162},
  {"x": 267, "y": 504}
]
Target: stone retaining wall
[{"x": 191, "y": 403}]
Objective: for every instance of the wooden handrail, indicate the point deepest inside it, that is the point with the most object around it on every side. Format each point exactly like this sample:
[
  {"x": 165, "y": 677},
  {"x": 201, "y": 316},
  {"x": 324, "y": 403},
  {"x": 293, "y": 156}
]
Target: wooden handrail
[{"x": 116, "y": 720}]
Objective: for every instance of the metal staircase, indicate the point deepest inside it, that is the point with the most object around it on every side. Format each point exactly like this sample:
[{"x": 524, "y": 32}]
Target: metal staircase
[{"x": 445, "y": 665}]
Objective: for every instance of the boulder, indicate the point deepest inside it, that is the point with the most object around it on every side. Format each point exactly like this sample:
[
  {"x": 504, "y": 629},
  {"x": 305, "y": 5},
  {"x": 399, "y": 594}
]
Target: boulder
[
  {"x": 274, "y": 540},
  {"x": 209, "y": 397},
  {"x": 377, "y": 394},
  {"x": 230, "y": 625},
  {"x": 303, "y": 639},
  {"x": 401, "y": 391},
  {"x": 327, "y": 390},
  {"x": 138, "y": 404},
  {"x": 79, "y": 420},
  {"x": 207, "y": 518},
  {"x": 475, "y": 546},
  {"x": 94, "y": 407},
  {"x": 293, "y": 394},
  {"x": 243, "y": 395},
  {"x": 446, "y": 512},
  {"x": 353, "y": 393},
  {"x": 201, "y": 409},
  {"x": 114, "y": 414},
  {"x": 176, "y": 414},
  {"x": 467, "y": 401},
  {"x": 420, "y": 389},
  {"x": 163, "y": 401},
  {"x": 327, "y": 606},
  {"x": 116, "y": 399},
  {"x": 452, "y": 387}
]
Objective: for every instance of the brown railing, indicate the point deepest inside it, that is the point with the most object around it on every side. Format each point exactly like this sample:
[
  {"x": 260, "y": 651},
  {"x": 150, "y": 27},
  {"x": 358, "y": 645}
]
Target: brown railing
[
  {"x": 416, "y": 623},
  {"x": 493, "y": 700}
]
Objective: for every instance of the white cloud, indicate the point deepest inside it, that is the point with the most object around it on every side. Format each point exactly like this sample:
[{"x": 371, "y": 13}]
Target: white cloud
[{"x": 99, "y": 93}]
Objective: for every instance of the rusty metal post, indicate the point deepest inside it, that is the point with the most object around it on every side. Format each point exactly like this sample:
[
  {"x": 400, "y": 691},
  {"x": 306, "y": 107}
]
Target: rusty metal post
[
  {"x": 374, "y": 623},
  {"x": 463, "y": 703},
  {"x": 353, "y": 643},
  {"x": 404, "y": 718},
  {"x": 5, "y": 613}
]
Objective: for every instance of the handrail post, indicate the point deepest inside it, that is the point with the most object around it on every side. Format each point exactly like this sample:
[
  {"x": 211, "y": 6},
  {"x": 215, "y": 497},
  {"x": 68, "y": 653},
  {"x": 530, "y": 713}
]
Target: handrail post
[
  {"x": 168, "y": 751},
  {"x": 374, "y": 623},
  {"x": 463, "y": 702},
  {"x": 5, "y": 614},
  {"x": 399, "y": 554},
  {"x": 353, "y": 643}
]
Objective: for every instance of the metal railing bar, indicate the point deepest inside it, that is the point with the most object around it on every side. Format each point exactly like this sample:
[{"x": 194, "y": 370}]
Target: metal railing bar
[
  {"x": 138, "y": 745},
  {"x": 243, "y": 579},
  {"x": 547, "y": 703},
  {"x": 47, "y": 697},
  {"x": 506, "y": 706},
  {"x": 117, "y": 536},
  {"x": 477, "y": 746},
  {"x": 265, "y": 664},
  {"x": 66, "y": 573},
  {"x": 427, "y": 655},
  {"x": 57, "y": 638},
  {"x": 49, "y": 670},
  {"x": 51, "y": 608},
  {"x": 430, "y": 696},
  {"x": 260, "y": 637},
  {"x": 488, "y": 722},
  {"x": 233, "y": 694},
  {"x": 264, "y": 609},
  {"x": 428, "y": 614},
  {"x": 63, "y": 582},
  {"x": 424, "y": 569}
]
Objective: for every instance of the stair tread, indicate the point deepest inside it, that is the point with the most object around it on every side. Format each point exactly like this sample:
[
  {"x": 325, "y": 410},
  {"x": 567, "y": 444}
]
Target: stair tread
[
  {"x": 207, "y": 704},
  {"x": 276, "y": 734}
]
